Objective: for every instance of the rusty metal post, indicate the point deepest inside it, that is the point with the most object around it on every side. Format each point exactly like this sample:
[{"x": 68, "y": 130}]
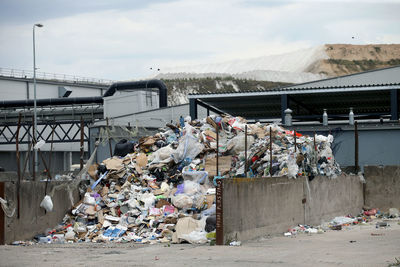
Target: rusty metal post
[
  {"x": 245, "y": 150},
  {"x": 315, "y": 145},
  {"x": 219, "y": 212},
  {"x": 82, "y": 148},
  {"x": 108, "y": 136},
  {"x": 356, "y": 146},
  {"x": 33, "y": 150},
  {"x": 26, "y": 159},
  {"x": 18, "y": 165},
  {"x": 295, "y": 141},
  {"x": 217, "y": 169},
  {"x": 51, "y": 147},
  {"x": 270, "y": 151}
]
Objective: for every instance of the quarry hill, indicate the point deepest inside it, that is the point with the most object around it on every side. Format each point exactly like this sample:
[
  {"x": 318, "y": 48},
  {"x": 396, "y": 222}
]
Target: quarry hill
[{"x": 265, "y": 72}]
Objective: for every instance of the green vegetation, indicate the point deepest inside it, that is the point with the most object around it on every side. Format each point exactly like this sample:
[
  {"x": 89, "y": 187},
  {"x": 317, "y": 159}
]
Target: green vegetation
[
  {"x": 363, "y": 65},
  {"x": 183, "y": 87}
]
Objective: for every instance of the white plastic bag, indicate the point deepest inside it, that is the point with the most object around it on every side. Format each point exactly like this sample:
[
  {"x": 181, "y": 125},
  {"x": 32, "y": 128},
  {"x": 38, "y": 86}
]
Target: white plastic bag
[
  {"x": 47, "y": 204},
  {"x": 196, "y": 237},
  {"x": 182, "y": 201},
  {"x": 189, "y": 147},
  {"x": 39, "y": 144}
]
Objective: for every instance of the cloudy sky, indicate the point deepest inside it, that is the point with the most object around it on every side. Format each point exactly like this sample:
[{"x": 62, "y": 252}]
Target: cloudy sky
[{"x": 123, "y": 39}]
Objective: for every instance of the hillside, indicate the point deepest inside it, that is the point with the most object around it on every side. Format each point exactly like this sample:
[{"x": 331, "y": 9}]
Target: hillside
[
  {"x": 347, "y": 59},
  {"x": 277, "y": 70},
  {"x": 178, "y": 89}
]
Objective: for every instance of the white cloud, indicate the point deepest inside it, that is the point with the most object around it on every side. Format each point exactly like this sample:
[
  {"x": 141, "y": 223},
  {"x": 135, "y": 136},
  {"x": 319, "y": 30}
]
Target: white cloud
[{"x": 124, "y": 44}]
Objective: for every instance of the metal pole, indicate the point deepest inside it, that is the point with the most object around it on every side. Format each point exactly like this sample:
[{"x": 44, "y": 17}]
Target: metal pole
[
  {"x": 34, "y": 154},
  {"x": 35, "y": 163},
  {"x": 108, "y": 137},
  {"x": 217, "y": 148},
  {"x": 356, "y": 146},
  {"x": 295, "y": 141},
  {"x": 82, "y": 136},
  {"x": 245, "y": 150},
  {"x": 270, "y": 151},
  {"x": 51, "y": 147},
  {"x": 18, "y": 165}
]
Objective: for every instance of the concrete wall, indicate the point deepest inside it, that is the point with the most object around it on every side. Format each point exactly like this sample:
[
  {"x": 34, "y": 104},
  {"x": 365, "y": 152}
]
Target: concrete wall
[
  {"x": 254, "y": 207},
  {"x": 33, "y": 219},
  {"x": 382, "y": 188}
]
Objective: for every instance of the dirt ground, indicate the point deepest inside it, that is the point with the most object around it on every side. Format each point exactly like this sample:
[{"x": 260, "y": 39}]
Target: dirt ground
[{"x": 354, "y": 246}]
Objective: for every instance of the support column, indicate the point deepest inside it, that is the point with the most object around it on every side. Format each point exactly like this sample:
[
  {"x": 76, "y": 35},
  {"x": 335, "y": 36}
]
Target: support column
[
  {"x": 193, "y": 108},
  {"x": 284, "y": 106},
  {"x": 394, "y": 105}
]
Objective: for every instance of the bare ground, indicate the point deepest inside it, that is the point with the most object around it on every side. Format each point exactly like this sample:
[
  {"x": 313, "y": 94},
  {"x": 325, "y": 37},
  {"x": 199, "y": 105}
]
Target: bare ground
[{"x": 353, "y": 246}]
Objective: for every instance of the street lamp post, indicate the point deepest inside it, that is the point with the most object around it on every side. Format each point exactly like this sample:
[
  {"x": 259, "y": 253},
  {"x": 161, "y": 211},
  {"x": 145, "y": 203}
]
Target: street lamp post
[{"x": 35, "y": 163}]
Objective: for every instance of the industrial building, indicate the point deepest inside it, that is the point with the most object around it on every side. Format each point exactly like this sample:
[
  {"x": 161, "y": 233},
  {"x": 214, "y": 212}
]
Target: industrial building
[{"x": 134, "y": 109}]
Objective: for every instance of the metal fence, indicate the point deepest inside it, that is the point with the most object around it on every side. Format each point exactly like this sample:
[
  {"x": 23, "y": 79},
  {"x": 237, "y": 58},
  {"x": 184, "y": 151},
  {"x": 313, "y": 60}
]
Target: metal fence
[{"x": 15, "y": 73}]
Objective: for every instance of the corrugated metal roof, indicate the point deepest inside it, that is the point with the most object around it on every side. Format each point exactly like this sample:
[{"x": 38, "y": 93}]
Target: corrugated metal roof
[{"x": 381, "y": 79}]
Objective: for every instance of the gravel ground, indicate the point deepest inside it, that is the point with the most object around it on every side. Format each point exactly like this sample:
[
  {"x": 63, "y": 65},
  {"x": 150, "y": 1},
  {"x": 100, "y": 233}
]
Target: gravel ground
[{"x": 352, "y": 246}]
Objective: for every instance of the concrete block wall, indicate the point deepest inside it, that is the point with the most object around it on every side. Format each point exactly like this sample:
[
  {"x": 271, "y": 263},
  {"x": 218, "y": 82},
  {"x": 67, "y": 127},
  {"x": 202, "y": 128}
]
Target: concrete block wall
[
  {"x": 382, "y": 188},
  {"x": 33, "y": 219},
  {"x": 254, "y": 207}
]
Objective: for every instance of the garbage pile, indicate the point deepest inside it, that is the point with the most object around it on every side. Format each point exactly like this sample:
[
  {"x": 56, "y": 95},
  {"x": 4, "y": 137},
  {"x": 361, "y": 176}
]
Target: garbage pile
[{"x": 160, "y": 189}]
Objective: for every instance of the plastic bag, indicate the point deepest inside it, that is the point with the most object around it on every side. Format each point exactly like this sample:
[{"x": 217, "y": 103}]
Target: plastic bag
[
  {"x": 191, "y": 188},
  {"x": 238, "y": 143},
  {"x": 196, "y": 237},
  {"x": 89, "y": 199},
  {"x": 47, "y": 204},
  {"x": 162, "y": 155},
  {"x": 182, "y": 201},
  {"x": 293, "y": 168},
  {"x": 39, "y": 144},
  {"x": 195, "y": 176},
  {"x": 189, "y": 147},
  {"x": 148, "y": 199}
]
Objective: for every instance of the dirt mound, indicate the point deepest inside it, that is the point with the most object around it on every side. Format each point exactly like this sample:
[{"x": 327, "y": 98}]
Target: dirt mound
[{"x": 347, "y": 59}]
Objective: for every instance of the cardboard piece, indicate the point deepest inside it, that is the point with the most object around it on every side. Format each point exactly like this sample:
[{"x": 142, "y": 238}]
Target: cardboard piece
[
  {"x": 113, "y": 164},
  {"x": 141, "y": 160},
  {"x": 100, "y": 217},
  {"x": 224, "y": 165},
  {"x": 185, "y": 226},
  {"x": 210, "y": 135},
  {"x": 92, "y": 171}
]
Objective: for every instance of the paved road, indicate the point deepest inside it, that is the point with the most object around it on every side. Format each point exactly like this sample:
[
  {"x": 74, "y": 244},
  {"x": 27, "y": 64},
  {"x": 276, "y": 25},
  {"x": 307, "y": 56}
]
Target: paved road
[{"x": 355, "y": 246}]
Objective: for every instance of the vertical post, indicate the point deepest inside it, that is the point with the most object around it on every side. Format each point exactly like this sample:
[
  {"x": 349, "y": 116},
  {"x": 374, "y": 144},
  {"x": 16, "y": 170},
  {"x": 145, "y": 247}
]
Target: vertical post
[
  {"x": 82, "y": 150},
  {"x": 394, "y": 105},
  {"x": 284, "y": 106},
  {"x": 217, "y": 167},
  {"x": 295, "y": 140},
  {"x": 18, "y": 165},
  {"x": 270, "y": 151},
  {"x": 315, "y": 144},
  {"x": 2, "y": 216},
  {"x": 219, "y": 212},
  {"x": 51, "y": 146},
  {"x": 108, "y": 136},
  {"x": 193, "y": 108},
  {"x": 34, "y": 154},
  {"x": 356, "y": 146},
  {"x": 245, "y": 150}
]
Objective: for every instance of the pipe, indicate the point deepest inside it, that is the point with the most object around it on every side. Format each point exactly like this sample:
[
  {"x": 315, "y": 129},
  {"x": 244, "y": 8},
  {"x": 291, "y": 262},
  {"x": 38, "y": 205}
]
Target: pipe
[
  {"x": 93, "y": 99},
  {"x": 140, "y": 85},
  {"x": 51, "y": 101}
]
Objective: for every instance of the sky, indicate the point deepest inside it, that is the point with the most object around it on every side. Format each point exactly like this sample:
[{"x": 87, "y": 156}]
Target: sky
[{"x": 131, "y": 39}]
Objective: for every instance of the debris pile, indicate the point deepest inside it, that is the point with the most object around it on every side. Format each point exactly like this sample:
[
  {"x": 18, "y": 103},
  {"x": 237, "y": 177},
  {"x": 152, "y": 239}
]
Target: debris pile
[{"x": 160, "y": 189}]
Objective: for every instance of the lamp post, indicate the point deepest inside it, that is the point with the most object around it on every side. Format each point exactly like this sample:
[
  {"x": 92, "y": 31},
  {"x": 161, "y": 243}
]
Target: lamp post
[{"x": 34, "y": 96}]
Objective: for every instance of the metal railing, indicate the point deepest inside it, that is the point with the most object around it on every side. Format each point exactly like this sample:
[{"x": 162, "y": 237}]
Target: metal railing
[{"x": 15, "y": 73}]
